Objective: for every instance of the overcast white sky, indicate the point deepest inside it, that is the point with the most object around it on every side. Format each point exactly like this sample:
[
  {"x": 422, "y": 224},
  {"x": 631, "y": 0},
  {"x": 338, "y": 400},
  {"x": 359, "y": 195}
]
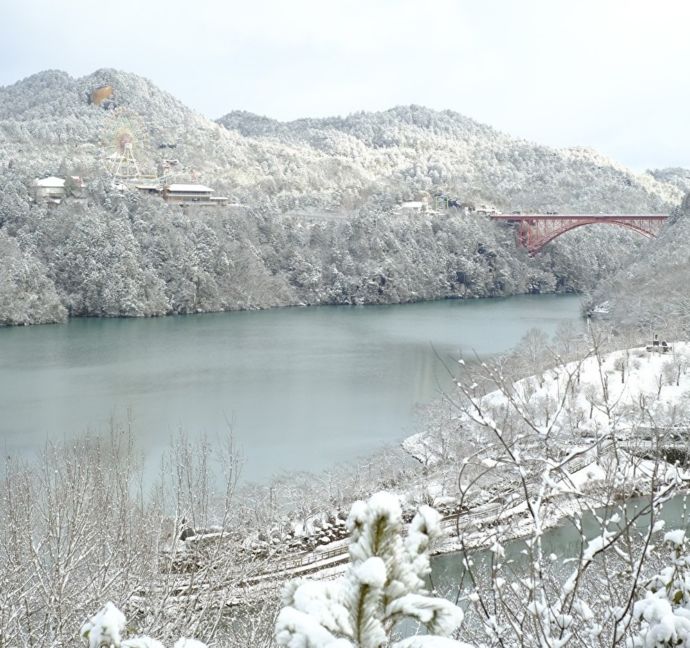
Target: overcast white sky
[{"x": 611, "y": 74}]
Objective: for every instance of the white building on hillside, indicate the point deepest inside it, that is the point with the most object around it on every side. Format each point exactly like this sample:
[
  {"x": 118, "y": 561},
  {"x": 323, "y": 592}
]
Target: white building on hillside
[
  {"x": 50, "y": 190},
  {"x": 414, "y": 207},
  {"x": 195, "y": 194}
]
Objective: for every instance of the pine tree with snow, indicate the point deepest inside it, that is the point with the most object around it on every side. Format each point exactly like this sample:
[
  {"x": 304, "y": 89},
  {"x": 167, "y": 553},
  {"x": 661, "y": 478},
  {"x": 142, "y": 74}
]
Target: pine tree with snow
[
  {"x": 664, "y": 612},
  {"x": 385, "y": 583},
  {"x": 105, "y": 629}
]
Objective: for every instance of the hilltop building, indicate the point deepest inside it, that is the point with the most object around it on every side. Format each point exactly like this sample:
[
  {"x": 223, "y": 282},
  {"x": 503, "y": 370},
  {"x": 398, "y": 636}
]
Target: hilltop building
[
  {"x": 196, "y": 194},
  {"x": 149, "y": 189}
]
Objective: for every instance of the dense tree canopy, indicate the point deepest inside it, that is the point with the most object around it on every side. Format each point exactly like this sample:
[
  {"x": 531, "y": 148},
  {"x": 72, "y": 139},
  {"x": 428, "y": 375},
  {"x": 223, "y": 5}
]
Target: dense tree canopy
[{"x": 313, "y": 215}]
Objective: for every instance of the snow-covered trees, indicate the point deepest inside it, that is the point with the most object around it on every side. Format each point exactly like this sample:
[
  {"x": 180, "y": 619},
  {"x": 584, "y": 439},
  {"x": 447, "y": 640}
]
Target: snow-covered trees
[
  {"x": 79, "y": 527},
  {"x": 132, "y": 255},
  {"x": 105, "y": 629},
  {"x": 664, "y": 611},
  {"x": 385, "y": 583},
  {"x": 27, "y": 295},
  {"x": 568, "y": 442},
  {"x": 651, "y": 293},
  {"x": 411, "y": 148},
  {"x": 341, "y": 176}
]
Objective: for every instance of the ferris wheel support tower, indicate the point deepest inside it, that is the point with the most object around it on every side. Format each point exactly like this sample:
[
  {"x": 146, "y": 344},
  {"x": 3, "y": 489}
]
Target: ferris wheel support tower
[
  {"x": 124, "y": 164},
  {"x": 123, "y": 140}
]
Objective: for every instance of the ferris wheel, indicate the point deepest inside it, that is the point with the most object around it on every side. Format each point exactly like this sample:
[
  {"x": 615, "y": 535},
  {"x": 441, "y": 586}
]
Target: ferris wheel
[{"x": 123, "y": 139}]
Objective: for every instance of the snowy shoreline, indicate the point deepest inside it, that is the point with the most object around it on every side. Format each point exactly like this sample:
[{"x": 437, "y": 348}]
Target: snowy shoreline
[{"x": 599, "y": 458}]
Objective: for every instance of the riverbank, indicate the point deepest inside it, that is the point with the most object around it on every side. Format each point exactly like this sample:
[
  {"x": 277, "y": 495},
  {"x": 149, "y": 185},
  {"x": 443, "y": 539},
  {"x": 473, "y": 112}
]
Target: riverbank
[
  {"x": 598, "y": 477},
  {"x": 512, "y": 472},
  {"x": 514, "y": 483}
]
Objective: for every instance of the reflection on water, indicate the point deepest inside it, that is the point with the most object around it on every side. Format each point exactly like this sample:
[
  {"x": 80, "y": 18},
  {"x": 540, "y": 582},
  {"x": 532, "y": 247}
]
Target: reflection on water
[{"x": 301, "y": 388}]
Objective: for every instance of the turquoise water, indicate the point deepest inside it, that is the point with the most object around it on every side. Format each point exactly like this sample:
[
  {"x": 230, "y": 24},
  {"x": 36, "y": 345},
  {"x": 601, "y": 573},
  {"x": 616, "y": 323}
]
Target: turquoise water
[
  {"x": 564, "y": 540},
  {"x": 301, "y": 388}
]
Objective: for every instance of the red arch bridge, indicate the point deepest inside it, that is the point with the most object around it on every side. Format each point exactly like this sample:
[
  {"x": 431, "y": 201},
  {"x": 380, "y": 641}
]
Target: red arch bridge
[{"x": 534, "y": 231}]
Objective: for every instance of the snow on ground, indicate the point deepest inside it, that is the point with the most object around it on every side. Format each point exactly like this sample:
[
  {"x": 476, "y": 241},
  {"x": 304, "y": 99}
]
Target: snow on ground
[
  {"x": 632, "y": 390},
  {"x": 579, "y": 404},
  {"x": 587, "y": 407},
  {"x": 590, "y": 419}
]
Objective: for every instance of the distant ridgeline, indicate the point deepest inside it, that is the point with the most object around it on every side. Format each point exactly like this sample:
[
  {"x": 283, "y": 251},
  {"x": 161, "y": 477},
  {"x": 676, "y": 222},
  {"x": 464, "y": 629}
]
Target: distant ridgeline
[
  {"x": 53, "y": 124},
  {"x": 382, "y": 207}
]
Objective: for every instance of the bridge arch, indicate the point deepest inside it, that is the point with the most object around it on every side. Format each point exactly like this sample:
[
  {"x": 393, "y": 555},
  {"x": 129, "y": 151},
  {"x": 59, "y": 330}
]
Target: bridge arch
[
  {"x": 536, "y": 230},
  {"x": 537, "y": 246}
]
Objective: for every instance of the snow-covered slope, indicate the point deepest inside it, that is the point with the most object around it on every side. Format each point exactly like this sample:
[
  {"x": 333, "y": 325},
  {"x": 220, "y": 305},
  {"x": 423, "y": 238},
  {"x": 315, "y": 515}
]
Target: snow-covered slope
[
  {"x": 47, "y": 125},
  {"x": 652, "y": 292},
  {"x": 673, "y": 175},
  {"x": 414, "y": 147},
  {"x": 46, "y": 121},
  {"x": 627, "y": 394}
]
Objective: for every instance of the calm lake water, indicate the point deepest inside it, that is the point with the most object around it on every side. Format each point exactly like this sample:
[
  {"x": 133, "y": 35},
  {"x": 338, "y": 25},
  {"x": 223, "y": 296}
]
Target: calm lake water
[{"x": 302, "y": 388}]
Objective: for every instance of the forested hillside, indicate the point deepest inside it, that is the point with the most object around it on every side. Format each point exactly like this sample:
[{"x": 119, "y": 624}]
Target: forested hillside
[
  {"x": 134, "y": 255},
  {"x": 652, "y": 292},
  {"x": 673, "y": 175},
  {"x": 313, "y": 218},
  {"x": 415, "y": 148}
]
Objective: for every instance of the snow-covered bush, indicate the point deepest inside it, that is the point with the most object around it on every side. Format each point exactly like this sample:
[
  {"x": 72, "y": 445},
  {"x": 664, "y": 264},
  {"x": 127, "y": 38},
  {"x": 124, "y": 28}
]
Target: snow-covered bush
[
  {"x": 76, "y": 531},
  {"x": 106, "y": 627},
  {"x": 385, "y": 583},
  {"x": 664, "y": 612}
]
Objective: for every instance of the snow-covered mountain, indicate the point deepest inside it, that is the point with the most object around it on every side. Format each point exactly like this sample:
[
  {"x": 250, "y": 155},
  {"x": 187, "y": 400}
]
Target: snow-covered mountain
[
  {"x": 411, "y": 147},
  {"x": 47, "y": 122},
  {"x": 315, "y": 224}
]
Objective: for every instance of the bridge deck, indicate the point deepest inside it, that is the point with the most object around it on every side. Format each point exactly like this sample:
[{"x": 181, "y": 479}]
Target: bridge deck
[{"x": 519, "y": 217}]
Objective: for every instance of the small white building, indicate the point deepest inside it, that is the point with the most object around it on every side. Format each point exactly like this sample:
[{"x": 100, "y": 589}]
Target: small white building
[
  {"x": 414, "y": 207},
  {"x": 195, "y": 194},
  {"x": 50, "y": 190}
]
